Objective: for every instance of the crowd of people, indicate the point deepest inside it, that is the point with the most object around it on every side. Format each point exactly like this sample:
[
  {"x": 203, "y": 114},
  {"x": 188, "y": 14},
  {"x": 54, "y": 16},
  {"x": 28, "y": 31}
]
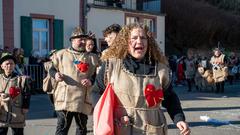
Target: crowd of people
[
  {"x": 133, "y": 67},
  {"x": 205, "y": 72}
]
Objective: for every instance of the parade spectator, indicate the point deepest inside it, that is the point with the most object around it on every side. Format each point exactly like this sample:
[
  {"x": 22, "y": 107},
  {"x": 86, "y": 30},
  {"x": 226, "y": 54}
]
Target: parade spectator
[
  {"x": 138, "y": 73},
  {"x": 180, "y": 71},
  {"x": 21, "y": 52},
  {"x": 220, "y": 70},
  {"x": 19, "y": 68},
  {"x": 14, "y": 97},
  {"x": 190, "y": 69},
  {"x": 34, "y": 58},
  {"x": 6, "y": 49},
  {"x": 173, "y": 66},
  {"x": 232, "y": 67},
  {"x": 73, "y": 69},
  {"x": 35, "y": 65}
]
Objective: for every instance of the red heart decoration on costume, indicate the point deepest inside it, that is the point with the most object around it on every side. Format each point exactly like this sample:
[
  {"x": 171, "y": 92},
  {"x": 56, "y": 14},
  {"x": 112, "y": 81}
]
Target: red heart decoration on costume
[
  {"x": 83, "y": 67},
  {"x": 153, "y": 96},
  {"x": 14, "y": 92}
]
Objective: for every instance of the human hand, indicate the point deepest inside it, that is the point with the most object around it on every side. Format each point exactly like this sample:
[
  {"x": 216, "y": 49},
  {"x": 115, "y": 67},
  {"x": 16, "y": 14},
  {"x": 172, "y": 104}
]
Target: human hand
[
  {"x": 86, "y": 82},
  {"x": 58, "y": 77},
  {"x": 4, "y": 97},
  {"x": 184, "y": 128},
  {"x": 24, "y": 110}
]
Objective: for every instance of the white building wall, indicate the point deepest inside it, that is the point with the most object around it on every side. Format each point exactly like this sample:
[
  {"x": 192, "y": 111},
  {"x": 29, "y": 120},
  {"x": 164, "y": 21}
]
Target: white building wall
[
  {"x": 99, "y": 19},
  {"x": 1, "y": 25},
  {"x": 161, "y": 32},
  {"x": 67, "y": 10}
]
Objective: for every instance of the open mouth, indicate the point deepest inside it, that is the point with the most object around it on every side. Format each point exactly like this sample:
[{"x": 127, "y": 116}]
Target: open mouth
[{"x": 138, "y": 48}]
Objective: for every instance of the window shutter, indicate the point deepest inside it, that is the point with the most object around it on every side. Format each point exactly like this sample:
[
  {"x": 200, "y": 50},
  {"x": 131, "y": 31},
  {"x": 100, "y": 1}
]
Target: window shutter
[
  {"x": 26, "y": 35},
  {"x": 58, "y": 34}
]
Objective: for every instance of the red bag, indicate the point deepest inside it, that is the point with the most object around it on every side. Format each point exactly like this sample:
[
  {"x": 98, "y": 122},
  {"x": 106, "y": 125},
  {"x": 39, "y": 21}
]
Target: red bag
[
  {"x": 103, "y": 113},
  {"x": 14, "y": 92}
]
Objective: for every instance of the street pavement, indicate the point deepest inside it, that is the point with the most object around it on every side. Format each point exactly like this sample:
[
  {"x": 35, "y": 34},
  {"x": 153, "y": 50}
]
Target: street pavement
[{"x": 223, "y": 107}]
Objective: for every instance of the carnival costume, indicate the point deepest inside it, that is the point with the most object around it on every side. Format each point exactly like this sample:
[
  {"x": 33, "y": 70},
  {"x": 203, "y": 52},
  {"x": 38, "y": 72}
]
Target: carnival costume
[
  {"x": 15, "y": 96},
  {"x": 140, "y": 104},
  {"x": 220, "y": 71},
  {"x": 70, "y": 95}
]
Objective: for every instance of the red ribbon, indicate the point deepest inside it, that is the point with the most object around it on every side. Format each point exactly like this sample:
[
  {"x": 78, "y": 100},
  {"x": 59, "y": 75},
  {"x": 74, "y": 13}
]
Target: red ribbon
[
  {"x": 153, "y": 96},
  {"x": 14, "y": 92},
  {"x": 83, "y": 67}
]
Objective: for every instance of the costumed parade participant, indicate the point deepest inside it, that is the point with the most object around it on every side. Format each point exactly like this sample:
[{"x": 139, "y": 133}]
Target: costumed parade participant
[
  {"x": 110, "y": 33},
  {"x": 220, "y": 70},
  {"x": 190, "y": 69},
  {"x": 73, "y": 69},
  {"x": 136, "y": 73},
  {"x": 14, "y": 97}
]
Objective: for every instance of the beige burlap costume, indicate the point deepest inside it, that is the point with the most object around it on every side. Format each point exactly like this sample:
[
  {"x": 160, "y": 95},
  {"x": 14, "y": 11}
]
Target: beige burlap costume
[
  {"x": 11, "y": 114},
  {"x": 132, "y": 103},
  {"x": 220, "y": 71},
  {"x": 70, "y": 95}
]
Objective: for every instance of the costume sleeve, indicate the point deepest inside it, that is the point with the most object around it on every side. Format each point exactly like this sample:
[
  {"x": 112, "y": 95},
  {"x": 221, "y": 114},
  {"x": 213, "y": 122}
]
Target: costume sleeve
[
  {"x": 211, "y": 60},
  {"x": 98, "y": 86},
  {"x": 54, "y": 68},
  {"x": 26, "y": 94},
  {"x": 96, "y": 60},
  {"x": 92, "y": 78},
  {"x": 165, "y": 77},
  {"x": 172, "y": 103}
]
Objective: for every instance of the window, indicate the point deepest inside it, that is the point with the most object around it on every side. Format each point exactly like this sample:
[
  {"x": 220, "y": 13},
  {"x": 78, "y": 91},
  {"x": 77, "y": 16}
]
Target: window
[
  {"x": 149, "y": 23},
  {"x": 41, "y": 37},
  {"x": 41, "y": 32},
  {"x": 152, "y": 5},
  {"x": 130, "y": 20},
  {"x": 147, "y": 20}
]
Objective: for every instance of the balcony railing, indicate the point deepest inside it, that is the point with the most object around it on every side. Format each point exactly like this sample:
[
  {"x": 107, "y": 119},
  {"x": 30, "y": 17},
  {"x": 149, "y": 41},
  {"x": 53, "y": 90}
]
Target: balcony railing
[
  {"x": 117, "y": 3},
  {"x": 140, "y": 5}
]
